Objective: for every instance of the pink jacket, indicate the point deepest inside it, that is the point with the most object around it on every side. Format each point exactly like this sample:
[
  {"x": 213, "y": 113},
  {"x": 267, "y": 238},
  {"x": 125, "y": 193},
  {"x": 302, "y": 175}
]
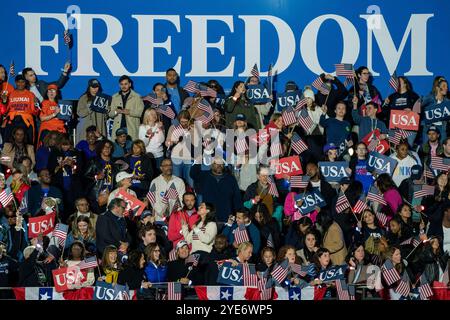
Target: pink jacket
[
  {"x": 394, "y": 201},
  {"x": 291, "y": 211},
  {"x": 173, "y": 233}
]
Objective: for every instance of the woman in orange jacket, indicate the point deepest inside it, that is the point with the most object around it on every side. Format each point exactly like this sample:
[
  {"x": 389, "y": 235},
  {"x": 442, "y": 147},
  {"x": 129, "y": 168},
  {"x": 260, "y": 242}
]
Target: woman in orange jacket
[{"x": 49, "y": 113}]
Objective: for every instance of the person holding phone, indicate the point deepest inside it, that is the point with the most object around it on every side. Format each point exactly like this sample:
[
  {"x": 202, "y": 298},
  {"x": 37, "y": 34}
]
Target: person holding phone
[{"x": 237, "y": 103}]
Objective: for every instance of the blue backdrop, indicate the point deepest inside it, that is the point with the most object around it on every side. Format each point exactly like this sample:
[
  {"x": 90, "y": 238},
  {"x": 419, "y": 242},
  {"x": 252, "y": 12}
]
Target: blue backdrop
[{"x": 223, "y": 39}]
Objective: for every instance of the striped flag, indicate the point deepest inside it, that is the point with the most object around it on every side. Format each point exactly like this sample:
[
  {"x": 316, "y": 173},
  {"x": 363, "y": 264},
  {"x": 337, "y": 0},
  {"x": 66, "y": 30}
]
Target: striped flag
[
  {"x": 382, "y": 218},
  {"x": 360, "y": 205},
  {"x": 240, "y": 234},
  {"x": 205, "y": 106},
  {"x": 249, "y": 275},
  {"x": 276, "y": 149},
  {"x": 6, "y": 196},
  {"x": 60, "y": 232},
  {"x": 266, "y": 293},
  {"x": 87, "y": 263},
  {"x": 67, "y": 37},
  {"x": 177, "y": 132},
  {"x": 206, "y": 91},
  {"x": 153, "y": 99},
  {"x": 375, "y": 259},
  {"x": 319, "y": 85},
  {"x": 423, "y": 191},
  {"x": 206, "y": 117},
  {"x": 288, "y": 116},
  {"x": 299, "y": 181},
  {"x": 438, "y": 163},
  {"x": 279, "y": 273},
  {"x": 342, "y": 203},
  {"x": 241, "y": 145},
  {"x": 255, "y": 72},
  {"x": 344, "y": 69},
  {"x": 349, "y": 80},
  {"x": 166, "y": 110},
  {"x": 427, "y": 173},
  {"x": 270, "y": 242},
  {"x": 393, "y": 81},
  {"x": 191, "y": 87},
  {"x": 404, "y": 287},
  {"x": 177, "y": 205},
  {"x": 193, "y": 258},
  {"x": 298, "y": 145},
  {"x": 305, "y": 120},
  {"x": 394, "y": 137},
  {"x": 173, "y": 255},
  {"x": 415, "y": 242},
  {"x": 272, "y": 187},
  {"x": 373, "y": 144},
  {"x": 174, "y": 291},
  {"x": 172, "y": 192},
  {"x": 151, "y": 195},
  {"x": 425, "y": 290},
  {"x": 375, "y": 195},
  {"x": 12, "y": 69},
  {"x": 342, "y": 289},
  {"x": 389, "y": 272},
  {"x": 300, "y": 104},
  {"x": 298, "y": 269}
]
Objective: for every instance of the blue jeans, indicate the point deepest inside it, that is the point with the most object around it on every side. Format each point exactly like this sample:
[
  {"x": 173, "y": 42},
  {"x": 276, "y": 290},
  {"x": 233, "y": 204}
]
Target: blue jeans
[{"x": 182, "y": 170}]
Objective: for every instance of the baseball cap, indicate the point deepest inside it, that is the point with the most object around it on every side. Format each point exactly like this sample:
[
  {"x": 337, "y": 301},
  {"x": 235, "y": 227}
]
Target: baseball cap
[
  {"x": 145, "y": 214},
  {"x": 52, "y": 87},
  {"x": 328, "y": 147},
  {"x": 345, "y": 180},
  {"x": 181, "y": 244},
  {"x": 121, "y": 131},
  {"x": 433, "y": 128},
  {"x": 94, "y": 83},
  {"x": 240, "y": 117},
  {"x": 123, "y": 175},
  {"x": 291, "y": 86},
  {"x": 416, "y": 172}
]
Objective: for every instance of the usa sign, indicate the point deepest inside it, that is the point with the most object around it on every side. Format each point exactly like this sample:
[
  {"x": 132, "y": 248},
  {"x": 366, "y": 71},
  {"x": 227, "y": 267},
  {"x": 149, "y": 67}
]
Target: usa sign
[
  {"x": 290, "y": 166},
  {"x": 407, "y": 120}
]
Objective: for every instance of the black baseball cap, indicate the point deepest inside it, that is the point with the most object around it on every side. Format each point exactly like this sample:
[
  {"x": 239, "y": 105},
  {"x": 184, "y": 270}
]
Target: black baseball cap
[{"x": 94, "y": 83}]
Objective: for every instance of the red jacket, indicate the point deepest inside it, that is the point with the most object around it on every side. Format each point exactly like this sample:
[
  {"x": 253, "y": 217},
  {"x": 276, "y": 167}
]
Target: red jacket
[{"x": 174, "y": 234}]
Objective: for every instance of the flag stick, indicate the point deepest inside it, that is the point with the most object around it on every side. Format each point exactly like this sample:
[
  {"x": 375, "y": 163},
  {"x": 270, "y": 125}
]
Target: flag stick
[{"x": 326, "y": 99}]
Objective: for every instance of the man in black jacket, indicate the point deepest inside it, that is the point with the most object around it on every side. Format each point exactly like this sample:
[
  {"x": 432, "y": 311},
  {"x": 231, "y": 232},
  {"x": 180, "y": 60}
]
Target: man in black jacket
[
  {"x": 111, "y": 228},
  {"x": 43, "y": 190},
  {"x": 176, "y": 93}
]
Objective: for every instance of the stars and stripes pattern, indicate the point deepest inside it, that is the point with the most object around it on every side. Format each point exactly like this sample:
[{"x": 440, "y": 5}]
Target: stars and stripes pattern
[
  {"x": 67, "y": 38},
  {"x": 249, "y": 276},
  {"x": 342, "y": 289},
  {"x": 60, "y": 232},
  {"x": 153, "y": 99},
  {"x": 305, "y": 120},
  {"x": 425, "y": 290},
  {"x": 393, "y": 81},
  {"x": 191, "y": 87},
  {"x": 382, "y": 218},
  {"x": 206, "y": 91},
  {"x": 12, "y": 69},
  {"x": 320, "y": 85},
  {"x": 344, "y": 69},
  {"x": 415, "y": 242},
  {"x": 279, "y": 273},
  {"x": 299, "y": 181},
  {"x": 360, "y": 205},
  {"x": 177, "y": 205},
  {"x": 255, "y": 72},
  {"x": 177, "y": 132},
  {"x": 166, "y": 110},
  {"x": 241, "y": 145},
  {"x": 6, "y": 196},
  {"x": 349, "y": 80},
  {"x": 298, "y": 145},
  {"x": 427, "y": 173},
  {"x": 375, "y": 195},
  {"x": 300, "y": 104},
  {"x": 298, "y": 269},
  {"x": 342, "y": 203},
  {"x": 193, "y": 258},
  {"x": 423, "y": 191},
  {"x": 272, "y": 187},
  {"x": 404, "y": 287},
  {"x": 265, "y": 293},
  {"x": 172, "y": 192},
  {"x": 87, "y": 263},
  {"x": 288, "y": 116},
  {"x": 206, "y": 118},
  {"x": 276, "y": 149},
  {"x": 396, "y": 135},
  {"x": 205, "y": 106},
  {"x": 389, "y": 272},
  {"x": 438, "y": 163},
  {"x": 151, "y": 195},
  {"x": 240, "y": 234},
  {"x": 270, "y": 242},
  {"x": 174, "y": 291}
]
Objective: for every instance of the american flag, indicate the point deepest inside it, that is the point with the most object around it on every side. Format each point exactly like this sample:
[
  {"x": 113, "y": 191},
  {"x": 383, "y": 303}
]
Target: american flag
[
  {"x": 240, "y": 234},
  {"x": 300, "y": 104},
  {"x": 270, "y": 242},
  {"x": 12, "y": 69},
  {"x": 87, "y": 263},
  {"x": 151, "y": 196},
  {"x": 373, "y": 144},
  {"x": 270, "y": 79},
  {"x": 360, "y": 205},
  {"x": 67, "y": 38},
  {"x": 167, "y": 111},
  {"x": 445, "y": 277},
  {"x": 60, "y": 232},
  {"x": 6, "y": 196},
  {"x": 250, "y": 277},
  {"x": 205, "y": 106},
  {"x": 299, "y": 181},
  {"x": 206, "y": 117},
  {"x": 342, "y": 203},
  {"x": 266, "y": 293},
  {"x": 272, "y": 187},
  {"x": 276, "y": 149},
  {"x": 177, "y": 205},
  {"x": 342, "y": 289},
  {"x": 177, "y": 132},
  {"x": 298, "y": 269},
  {"x": 423, "y": 191},
  {"x": 381, "y": 217},
  {"x": 344, "y": 69},
  {"x": 375, "y": 259},
  {"x": 425, "y": 290},
  {"x": 153, "y": 99},
  {"x": 305, "y": 120},
  {"x": 288, "y": 116},
  {"x": 393, "y": 81},
  {"x": 279, "y": 273},
  {"x": 389, "y": 273},
  {"x": 191, "y": 87},
  {"x": 319, "y": 85},
  {"x": 165, "y": 199},
  {"x": 298, "y": 144},
  {"x": 193, "y": 258},
  {"x": 241, "y": 145},
  {"x": 427, "y": 173},
  {"x": 173, "y": 255},
  {"x": 206, "y": 142},
  {"x": 394, "y": 137},
  {"x": 375, "y": 195},
  {"x": 438, "y": 163},
  {"x": 404, "y": 287},
  {"x": 415, "y": 242},
  {"x": 172, "y": 192},
  {"x": 349, "y": 80},
  {"x": 206, "y": 91},
  {"x": 255, "y": 72},
  {"x": 174, "y": 291}
]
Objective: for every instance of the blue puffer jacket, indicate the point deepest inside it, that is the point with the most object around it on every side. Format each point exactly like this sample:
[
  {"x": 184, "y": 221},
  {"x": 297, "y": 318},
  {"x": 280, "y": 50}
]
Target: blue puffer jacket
[{"x": 156, "y": 273}]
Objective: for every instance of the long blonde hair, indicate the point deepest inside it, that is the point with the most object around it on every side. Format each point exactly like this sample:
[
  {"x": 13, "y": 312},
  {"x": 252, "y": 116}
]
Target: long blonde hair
[{"x": 146, "y": 119}]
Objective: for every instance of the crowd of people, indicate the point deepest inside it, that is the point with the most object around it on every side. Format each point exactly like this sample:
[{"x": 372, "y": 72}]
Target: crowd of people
[{"x": 232, "y": 208}]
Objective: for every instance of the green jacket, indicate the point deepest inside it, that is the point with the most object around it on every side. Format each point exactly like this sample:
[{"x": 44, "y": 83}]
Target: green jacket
[{"x": 232, "y": 108}]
